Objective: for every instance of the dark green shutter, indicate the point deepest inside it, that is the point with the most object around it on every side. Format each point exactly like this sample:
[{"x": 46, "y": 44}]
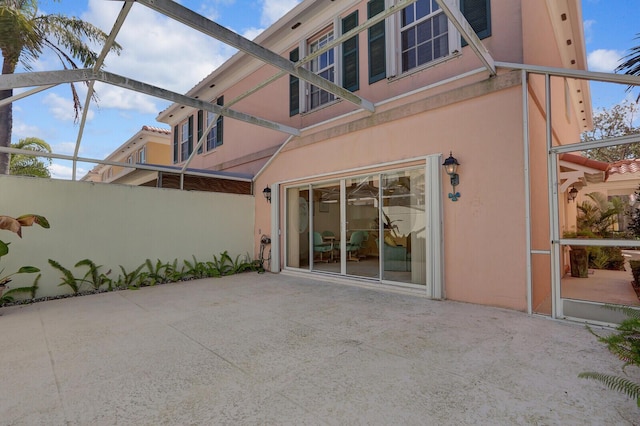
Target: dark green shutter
[
  {"x": 478, "y": 13},
  {"x": 219, "y": 101},
  {"x": 190, "y": 142},
  {"x": 200, "y": 128},
  {"x": 350, "y": 61},
  {"x": 294, "y": 86},
  {"x": 175, "y": 144},
  {"x": 377, "y": 43}
]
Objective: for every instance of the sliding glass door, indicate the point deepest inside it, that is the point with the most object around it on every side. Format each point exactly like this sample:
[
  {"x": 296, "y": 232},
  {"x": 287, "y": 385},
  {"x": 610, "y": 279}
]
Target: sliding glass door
[
  {"x": 370, "y": 226},
  {"x": 326, "y": 227},
  {"x": 362, "y": 226},
  {"x": 404, "y": 220}
]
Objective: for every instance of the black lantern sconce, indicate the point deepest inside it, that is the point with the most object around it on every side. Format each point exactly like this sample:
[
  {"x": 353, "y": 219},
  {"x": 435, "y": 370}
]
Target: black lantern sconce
[
  {"x": 267, "y": 193},
  {"x": 451, "y": 167},
  {"x": 572, "y": 194}
]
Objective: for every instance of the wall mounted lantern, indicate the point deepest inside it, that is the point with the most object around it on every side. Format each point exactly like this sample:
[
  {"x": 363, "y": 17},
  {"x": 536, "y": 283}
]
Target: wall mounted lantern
[
  {"x": 572, "y": 194},
  {"x": 267, "y": 193},
  {"x": 451, "y": 167}
]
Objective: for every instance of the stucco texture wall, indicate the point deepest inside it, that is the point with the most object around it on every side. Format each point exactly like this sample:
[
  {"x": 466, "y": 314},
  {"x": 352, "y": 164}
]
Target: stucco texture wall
[
  {"x": 484, "y": 232},
  {"x": 118, "y": 225}
]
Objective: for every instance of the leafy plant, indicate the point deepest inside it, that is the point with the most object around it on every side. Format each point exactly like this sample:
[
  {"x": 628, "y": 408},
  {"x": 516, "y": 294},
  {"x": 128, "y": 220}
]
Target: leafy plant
[
  {"x": 196, "y": 269},
  {"x": 23, "y": 270},
  {"x": 606, "y": 258},
  {"x": 241, "y": 264},
  {"x": 7, "y": 296},
  {"x": 635, "y": 270},
  {"x": 67, "y": 277},
  {"x": 15, "y": 225},
  {"x": 159, "y": 273},
  {"x": 173, "y": 273},
  {"x": 93, "y": 276},
  {"x": 598, "y": 214},
  {"x": 625, "y": 344},
  {"x": 130, "y": 280}
]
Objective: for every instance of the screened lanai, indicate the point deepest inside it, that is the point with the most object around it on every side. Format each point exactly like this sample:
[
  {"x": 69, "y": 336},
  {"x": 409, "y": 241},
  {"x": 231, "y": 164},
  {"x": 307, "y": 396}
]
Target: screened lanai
[{"x": 545, "y": 236}]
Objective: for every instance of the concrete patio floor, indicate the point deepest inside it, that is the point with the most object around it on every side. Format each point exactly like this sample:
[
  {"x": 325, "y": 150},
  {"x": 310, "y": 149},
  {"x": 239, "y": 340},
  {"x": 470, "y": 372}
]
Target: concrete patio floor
[{"x": 281, "y": 349}]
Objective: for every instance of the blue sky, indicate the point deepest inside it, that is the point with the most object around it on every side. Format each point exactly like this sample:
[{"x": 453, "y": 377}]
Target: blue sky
[{"x": 170, "y": 55}]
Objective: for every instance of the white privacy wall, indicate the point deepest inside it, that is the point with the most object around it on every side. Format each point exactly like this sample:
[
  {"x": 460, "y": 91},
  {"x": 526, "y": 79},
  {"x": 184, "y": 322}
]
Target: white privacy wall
[{"x": 118, "y": 225}]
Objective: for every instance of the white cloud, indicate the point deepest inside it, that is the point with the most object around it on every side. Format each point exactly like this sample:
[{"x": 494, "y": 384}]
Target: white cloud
[
  {"x": 588, "y": 29},
  {"x": 65, "y": 148},
  {"x": 23, "y": 130},
  {"x": 272, "y": 10},
  {"x": 59, "y": 171},
  {"x": 251, "y": 33},
  {"x": 119, "y": 98},
  {"x": 604, "y": 60},
  {"x": 62, "y": 108},
  {"x": 157, "y": 50}
]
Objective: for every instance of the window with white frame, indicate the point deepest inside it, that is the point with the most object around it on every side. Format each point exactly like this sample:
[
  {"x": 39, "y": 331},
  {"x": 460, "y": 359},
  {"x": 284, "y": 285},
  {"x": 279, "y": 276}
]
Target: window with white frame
[
  {"x": 424, "y": 34},
  {"x": 211, "y": 136},
  {"x": 130, "y": 159},
  {"x": 324, "y": 66},
  {"x": 142, "y": 155},
  {"x": 184, "y": 141}
]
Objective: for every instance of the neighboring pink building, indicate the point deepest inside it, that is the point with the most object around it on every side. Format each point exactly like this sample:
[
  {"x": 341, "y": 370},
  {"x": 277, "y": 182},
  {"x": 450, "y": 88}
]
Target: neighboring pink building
[{"x": 359, "y": 191}]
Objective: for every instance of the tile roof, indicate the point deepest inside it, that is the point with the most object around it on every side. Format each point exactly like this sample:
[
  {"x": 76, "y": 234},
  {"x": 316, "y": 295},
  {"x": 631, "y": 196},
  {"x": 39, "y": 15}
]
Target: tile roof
[
  {"x": 156, "y": 129},
  {"x": 584, "y": 161},
  {"x": 625, "y": 166},
  {"x": 619, "y": 167}
]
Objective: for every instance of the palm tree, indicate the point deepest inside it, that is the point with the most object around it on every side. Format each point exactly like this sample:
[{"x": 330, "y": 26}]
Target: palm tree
[
  {"x": 24, "y": 35},
  {"x": 28, "y": 165},
  {"x": 631, "y": 64}
]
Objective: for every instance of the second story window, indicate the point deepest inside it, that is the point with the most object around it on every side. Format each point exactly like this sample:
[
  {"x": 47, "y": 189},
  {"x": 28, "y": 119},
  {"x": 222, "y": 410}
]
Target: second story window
[
  {"x": 130, "y": 159},
  {"x": 183, "y": 140},
  {"x": 324, "y": 66},
  {"x": 211, "y": 136},
  {"x": 424, "y": 34},
  {"x": 213, "y": 139},
  {"x": 142, "y": 155}
]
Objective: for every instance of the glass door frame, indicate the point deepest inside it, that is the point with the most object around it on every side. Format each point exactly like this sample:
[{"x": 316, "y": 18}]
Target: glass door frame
[{"x": 434, "y": 262}]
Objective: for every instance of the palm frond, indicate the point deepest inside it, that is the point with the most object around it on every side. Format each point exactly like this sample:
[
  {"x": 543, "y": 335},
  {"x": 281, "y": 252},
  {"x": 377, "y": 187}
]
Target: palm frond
[{"x": 616, "y": 383}]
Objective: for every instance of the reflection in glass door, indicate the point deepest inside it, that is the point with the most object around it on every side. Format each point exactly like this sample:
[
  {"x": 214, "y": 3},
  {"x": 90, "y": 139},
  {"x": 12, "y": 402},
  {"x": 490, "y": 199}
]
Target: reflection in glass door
[
  {"x": 362, "y": 226},
  {"x": 370, "y": 226},
  {"x": 297, "y": 255},
  {"x": 404, "y": 222},
  {"x": 326, "y": 227}
]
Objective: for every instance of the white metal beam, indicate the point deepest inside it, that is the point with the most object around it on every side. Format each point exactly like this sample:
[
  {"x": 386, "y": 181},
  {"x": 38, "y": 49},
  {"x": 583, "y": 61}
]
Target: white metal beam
[
  {"x": 90, "y": 92},
  {"x": 462, "y": 25},
  {"x": 150, "y": 167},
  {"x": 579, "y": 74},
  {"x": 206, "y": 26},
  {"x": 67, "y": 76},
  {"x": 23, "y": 95}
]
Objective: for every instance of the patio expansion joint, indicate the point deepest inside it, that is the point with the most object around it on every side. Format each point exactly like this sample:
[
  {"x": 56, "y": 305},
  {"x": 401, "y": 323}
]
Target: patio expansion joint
[
  {"x": 53, "y": 368},
  {"x": 208, "y": 349},
  {"x": 237, "y": 367}
]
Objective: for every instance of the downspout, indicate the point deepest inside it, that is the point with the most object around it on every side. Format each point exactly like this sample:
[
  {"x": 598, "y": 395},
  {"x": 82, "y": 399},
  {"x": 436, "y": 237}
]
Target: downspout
[{"x": 527, "y": 189}]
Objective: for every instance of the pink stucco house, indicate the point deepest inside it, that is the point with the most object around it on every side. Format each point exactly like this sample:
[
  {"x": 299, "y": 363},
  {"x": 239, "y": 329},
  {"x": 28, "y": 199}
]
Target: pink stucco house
[{"x": 354, "y": 167}]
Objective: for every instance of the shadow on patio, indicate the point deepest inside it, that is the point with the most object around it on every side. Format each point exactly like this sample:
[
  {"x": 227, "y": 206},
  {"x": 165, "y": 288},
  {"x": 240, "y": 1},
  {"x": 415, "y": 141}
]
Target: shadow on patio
[{"x": 283, "y": 349}]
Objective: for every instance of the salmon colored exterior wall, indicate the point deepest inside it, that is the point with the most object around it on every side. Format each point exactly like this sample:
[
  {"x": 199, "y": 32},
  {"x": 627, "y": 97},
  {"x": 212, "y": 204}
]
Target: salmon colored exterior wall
[{"x": 450, "y": 106}]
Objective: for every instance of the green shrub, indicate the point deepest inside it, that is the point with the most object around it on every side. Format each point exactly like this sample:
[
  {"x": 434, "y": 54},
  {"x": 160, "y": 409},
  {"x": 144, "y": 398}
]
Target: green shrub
[
  {"x": 635, "y": 270},
  {"x": 625, "y": 344}
]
